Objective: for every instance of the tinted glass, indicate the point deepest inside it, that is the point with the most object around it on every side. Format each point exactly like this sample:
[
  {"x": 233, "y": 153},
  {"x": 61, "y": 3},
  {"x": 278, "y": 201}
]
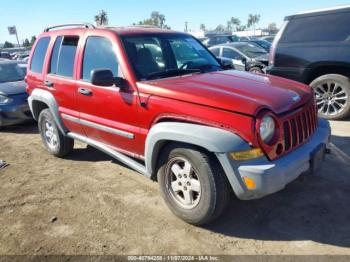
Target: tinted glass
[
  {"x": 332, "y": 28},
  {"x": 154, "y": 54},
  {"x": 229, "y": 53},
  {"x": 66, "y": 57},
  {"x": 54, "y": 57},
  {"x": 39, "y": 55},
  {"x": 251, "y": 50},
  {"x": 11, "y": 72},
  {"x": 98, "y": 54}
]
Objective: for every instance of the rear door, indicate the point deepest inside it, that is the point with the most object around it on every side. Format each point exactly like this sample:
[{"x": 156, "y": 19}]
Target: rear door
[
  {"x": 107, "y": 114},
  {"x": 60, "y": 79}
]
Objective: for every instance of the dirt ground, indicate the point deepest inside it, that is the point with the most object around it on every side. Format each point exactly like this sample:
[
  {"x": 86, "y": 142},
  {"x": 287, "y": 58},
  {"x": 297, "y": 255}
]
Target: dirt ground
[{"x": 90, "y": 204}]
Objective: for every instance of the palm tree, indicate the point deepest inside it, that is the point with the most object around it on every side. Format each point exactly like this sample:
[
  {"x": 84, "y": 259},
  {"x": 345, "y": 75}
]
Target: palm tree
[
  {"x": 253, "y": 20},
  {"x": 235, "y": 22},
  {"x": 101, "y": 18},
  {"x": 202, "y": 27}
]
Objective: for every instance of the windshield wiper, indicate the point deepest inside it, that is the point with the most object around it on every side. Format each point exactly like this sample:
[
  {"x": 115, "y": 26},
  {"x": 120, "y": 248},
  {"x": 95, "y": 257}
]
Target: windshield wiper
[{"x": 172, "y": 72}]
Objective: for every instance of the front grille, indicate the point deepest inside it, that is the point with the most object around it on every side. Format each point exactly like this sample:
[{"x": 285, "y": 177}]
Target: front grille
[{"x": 299, "y": 127}]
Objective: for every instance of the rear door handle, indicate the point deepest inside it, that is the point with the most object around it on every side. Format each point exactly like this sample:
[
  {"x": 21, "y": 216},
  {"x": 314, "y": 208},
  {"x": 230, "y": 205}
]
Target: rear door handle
[
  {"x": 48, "y": 83},
  {"x": 85, "y": 91}
]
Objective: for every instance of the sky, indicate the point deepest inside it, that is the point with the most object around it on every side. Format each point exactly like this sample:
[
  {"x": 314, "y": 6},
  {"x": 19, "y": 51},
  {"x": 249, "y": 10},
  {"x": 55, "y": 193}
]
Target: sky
[{"x": 31, "y": 17}]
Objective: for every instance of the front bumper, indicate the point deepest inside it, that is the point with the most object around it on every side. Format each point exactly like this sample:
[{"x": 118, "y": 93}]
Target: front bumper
[
  {"x": 273, "y": 176},
  {"x": 15, "y": 112}
]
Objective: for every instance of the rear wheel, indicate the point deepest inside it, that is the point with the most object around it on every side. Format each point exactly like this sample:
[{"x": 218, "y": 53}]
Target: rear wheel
[
  {"x": 55, "y": 142},
  {"x": 332, "y": 96},
  {"x": 192, "y": 183}
]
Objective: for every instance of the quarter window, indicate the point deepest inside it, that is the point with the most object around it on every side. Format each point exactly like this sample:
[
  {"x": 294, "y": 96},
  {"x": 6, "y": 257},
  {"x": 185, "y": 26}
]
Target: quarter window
[
  {"x": 39, "y": 55},
  {"x": 98, "y": 53}
]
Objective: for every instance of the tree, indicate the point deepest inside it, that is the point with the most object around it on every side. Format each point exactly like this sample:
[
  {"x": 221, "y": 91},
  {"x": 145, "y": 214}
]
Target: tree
[
  {"x": 235, "y": 23},
  {"x": 241, "y": 28},
  {"x": 157, "y": 19},
  {"x": 8, "y": 45},
  {"x": 272, "y": 28},
  {"x": 229, "y": 26},
  {"x": 253, "y": 20},
  {"x": 26, "y": 43},
  {"x": 32, "y": 40},
  {"x": 220, "y": 28},
  {"x": 101, "y": 18},
  {"x": 203, "y": 27}
]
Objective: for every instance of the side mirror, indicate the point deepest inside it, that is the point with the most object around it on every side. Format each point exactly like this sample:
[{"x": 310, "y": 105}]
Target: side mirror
[
  {"x": 104, "y": 77},
  {"x": 226, "y": 63}
]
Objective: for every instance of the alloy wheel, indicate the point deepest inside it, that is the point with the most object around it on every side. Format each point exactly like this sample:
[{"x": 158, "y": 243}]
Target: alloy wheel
[
  {"x": 331, "y": 98},
  {"x": 183, "y": 183}
]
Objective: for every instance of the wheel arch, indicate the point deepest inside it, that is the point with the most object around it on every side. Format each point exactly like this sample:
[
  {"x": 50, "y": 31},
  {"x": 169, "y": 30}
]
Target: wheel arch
[
  {"x": 40, "y": 99},
  {"x": 211, "y": 139},
  {"x": 321, "y": 69}
]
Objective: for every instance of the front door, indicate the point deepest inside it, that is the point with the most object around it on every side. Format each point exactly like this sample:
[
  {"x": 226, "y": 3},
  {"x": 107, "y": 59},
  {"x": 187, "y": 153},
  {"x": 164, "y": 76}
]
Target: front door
[{"x": 107, "y": 114}]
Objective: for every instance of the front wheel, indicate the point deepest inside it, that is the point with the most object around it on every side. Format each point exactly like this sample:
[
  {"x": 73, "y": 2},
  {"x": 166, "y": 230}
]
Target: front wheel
[
  {"x": 332, "y": 96},
  {"x": 192, "y": 183},
  {"x": 55, "y": 142}
]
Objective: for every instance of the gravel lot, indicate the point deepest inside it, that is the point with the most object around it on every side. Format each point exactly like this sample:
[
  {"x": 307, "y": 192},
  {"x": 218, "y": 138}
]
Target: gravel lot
[{"x": 90, "y": 204}]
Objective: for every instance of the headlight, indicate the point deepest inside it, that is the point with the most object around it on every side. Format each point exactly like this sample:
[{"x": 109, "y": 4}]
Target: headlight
[
  {"x": 5, "y": 100},
  {"x": 267, "y": 129}
]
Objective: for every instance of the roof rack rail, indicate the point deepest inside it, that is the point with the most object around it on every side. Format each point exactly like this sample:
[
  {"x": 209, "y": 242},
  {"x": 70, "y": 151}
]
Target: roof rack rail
[{"x": 86, "y": 25}]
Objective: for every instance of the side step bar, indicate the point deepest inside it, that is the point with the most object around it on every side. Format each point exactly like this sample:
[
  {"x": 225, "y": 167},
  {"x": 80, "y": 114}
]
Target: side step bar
[{"x": 109, "y": 151}]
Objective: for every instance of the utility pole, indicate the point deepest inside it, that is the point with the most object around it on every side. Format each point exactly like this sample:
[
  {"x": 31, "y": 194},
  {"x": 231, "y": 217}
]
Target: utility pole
[{"x": 186, "y": 28}]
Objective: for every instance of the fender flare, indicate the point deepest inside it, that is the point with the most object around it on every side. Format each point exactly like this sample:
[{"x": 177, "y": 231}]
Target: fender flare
[
  {"x": 47, "y": 98},
  {"x": 213, "y": 139}
]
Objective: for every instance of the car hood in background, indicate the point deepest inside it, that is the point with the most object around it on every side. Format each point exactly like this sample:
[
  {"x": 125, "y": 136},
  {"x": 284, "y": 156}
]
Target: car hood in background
[
  {"x": 233, "y": 91},
  {"x": 13, "y": 88}
]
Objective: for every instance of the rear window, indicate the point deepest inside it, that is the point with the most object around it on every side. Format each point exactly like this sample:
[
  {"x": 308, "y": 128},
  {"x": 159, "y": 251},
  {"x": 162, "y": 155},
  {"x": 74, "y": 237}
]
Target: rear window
[
  {"x": 325, "y": 28},
  {"x": 63, "y": 56},
  {"x": 39, "y": 55}
]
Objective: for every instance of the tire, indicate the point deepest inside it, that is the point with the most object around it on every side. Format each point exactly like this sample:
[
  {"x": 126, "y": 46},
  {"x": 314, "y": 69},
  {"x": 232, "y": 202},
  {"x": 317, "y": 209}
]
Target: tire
[
  {"x": 256, "y": 70},
  {"x": 55, "y": 142},
  {"x": 209, "y": 189},
  {"x": 329, "y": 91}
]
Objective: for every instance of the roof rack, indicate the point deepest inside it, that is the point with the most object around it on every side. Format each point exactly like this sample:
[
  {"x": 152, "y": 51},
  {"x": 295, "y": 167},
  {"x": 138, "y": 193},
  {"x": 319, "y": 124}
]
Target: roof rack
[{"x": 85, "y": 25}]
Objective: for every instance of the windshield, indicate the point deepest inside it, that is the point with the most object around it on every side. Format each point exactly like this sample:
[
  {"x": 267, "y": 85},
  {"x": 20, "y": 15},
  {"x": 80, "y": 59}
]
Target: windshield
[
  {"x": 167, "y": 55},
  {"x": 251, "y": 50},
  {"x": 11, "y": 72}
]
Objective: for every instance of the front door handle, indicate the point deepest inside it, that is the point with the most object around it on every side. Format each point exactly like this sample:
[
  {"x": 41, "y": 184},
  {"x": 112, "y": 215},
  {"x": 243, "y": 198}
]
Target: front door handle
[
  {"x": 85, "y": 91},
  {"x": 48, "y": 83}
]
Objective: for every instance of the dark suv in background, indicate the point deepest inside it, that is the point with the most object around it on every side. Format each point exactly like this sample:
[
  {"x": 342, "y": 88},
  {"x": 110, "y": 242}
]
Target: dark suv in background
[{"x": 314, "y": 48}]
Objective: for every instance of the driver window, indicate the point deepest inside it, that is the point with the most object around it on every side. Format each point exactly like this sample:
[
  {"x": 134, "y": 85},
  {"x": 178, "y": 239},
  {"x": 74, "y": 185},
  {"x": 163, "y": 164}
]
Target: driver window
[
  {"x": 229, "y": 53},
  {"x": 98, "y": 53}
]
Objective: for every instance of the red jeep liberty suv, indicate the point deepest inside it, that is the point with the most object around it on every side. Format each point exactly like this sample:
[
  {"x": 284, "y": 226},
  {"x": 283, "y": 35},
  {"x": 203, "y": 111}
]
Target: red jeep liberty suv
[{"x": 161, "y": 103}]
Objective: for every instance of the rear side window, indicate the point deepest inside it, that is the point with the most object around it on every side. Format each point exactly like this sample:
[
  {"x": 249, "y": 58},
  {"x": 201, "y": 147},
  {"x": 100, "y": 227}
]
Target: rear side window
[
  {"x": 39, "y": 55},
  {"x": 325, "y": 28},
  {"x": 63, "y": 56},
  {"x": 98, "y": 54}
]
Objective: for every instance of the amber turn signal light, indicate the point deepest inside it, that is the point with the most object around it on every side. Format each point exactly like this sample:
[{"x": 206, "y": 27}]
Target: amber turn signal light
[{"x": 248, "y": 154}]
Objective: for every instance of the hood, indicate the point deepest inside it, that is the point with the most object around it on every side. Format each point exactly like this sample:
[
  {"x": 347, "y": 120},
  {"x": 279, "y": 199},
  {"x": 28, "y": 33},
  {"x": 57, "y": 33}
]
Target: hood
[
  {"x": 233, "y": 91},
  {"x": 13, "y": 88}
]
